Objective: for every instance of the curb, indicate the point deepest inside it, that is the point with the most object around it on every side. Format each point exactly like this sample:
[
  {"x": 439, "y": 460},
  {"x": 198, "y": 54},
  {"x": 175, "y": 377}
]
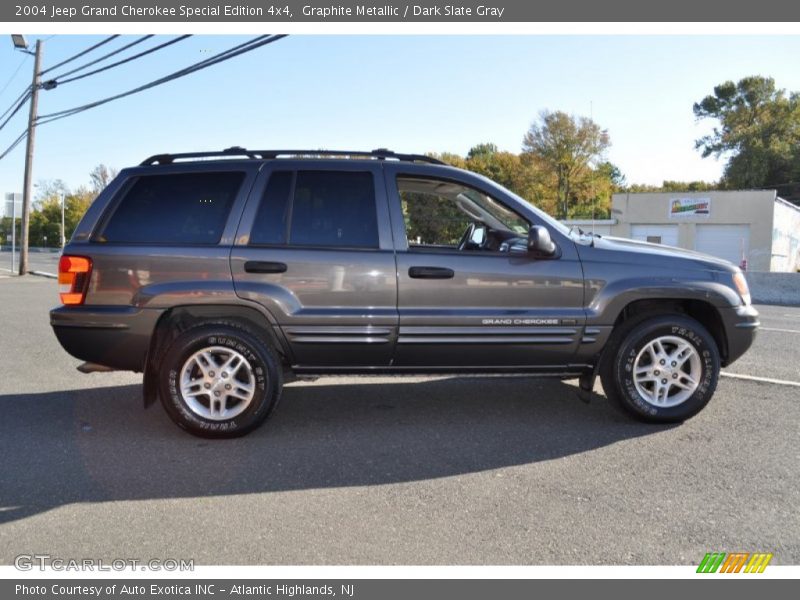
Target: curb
[{"x": 43, "y": 274}]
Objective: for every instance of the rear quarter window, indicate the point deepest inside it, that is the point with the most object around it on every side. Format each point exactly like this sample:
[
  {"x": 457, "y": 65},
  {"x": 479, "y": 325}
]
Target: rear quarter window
[{"x": 180, "y": 208}]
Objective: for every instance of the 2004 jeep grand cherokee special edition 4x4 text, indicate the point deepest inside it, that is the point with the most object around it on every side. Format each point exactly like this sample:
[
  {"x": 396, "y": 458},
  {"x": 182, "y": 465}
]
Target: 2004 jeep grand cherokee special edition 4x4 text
[{"x": 216, "y": 274}]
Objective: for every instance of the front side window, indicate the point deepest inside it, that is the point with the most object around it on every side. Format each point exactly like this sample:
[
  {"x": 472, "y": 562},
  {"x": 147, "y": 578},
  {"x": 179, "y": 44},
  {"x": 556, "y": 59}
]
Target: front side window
[
  {"x": 317, "y": 208},
  {"x": 449, "y": 215},
  {"x": 181, "y": 208}
]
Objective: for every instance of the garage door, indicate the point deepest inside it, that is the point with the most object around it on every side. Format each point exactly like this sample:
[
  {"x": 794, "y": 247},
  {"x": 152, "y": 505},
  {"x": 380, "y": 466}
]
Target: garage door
[
  {"x": 723, "y": 241},
  {"x": 656, "y": 234}
]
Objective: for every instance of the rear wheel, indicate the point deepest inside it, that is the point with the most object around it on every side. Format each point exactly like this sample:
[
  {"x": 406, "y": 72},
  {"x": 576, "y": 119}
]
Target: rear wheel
[
  {"x": 219, "y": 380},
  {"x": 661, "y": 369}
]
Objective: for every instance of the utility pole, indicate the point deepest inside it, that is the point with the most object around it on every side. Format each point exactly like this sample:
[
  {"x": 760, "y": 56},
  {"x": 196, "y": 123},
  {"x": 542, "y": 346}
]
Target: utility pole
[
  {"x": 26, "y": 190},
  {"x": 13, "y": 231}
]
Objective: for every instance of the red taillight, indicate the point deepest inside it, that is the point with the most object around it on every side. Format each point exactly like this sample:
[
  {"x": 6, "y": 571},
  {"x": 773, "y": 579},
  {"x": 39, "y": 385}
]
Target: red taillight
[{"x": 73, "y": 278}]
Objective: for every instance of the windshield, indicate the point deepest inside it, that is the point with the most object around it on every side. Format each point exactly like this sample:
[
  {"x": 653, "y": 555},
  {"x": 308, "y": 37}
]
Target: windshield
[
  {"x": 557, "y": 225},
  {"x": 509, "y": 219}
]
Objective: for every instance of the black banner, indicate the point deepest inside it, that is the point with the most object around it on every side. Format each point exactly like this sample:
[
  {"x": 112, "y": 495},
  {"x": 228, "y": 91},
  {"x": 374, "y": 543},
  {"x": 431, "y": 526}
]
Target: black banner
[
  {"x": 383, "y": 589},
  {"x": 86, "y": 11}
]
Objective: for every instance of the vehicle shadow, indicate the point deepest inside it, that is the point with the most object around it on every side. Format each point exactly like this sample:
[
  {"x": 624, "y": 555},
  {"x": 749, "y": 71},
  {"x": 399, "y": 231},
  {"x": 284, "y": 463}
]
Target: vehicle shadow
[{"x": 97, "y": 444}]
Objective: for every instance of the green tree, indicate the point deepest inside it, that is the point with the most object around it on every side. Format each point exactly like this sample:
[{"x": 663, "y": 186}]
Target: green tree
[
  {"x": 525, "y": 175},
  {"x": 566, "y": 145},
  {"x": 531, "y": 177},
  {"x": 450, "y": 158},
  {"x": 430, "y": 220},
  {"x": 5, "y": 231},
  {"x": 485, "y": 150},
  {"x": 672, "y": 186},
  {"x": 640, "y": 188},
  {"x": 595, "y": 192},
  {"x": 613, "y": 175},
  {"x": 689, "y": 186},
  {"x": 758, "y": 129},
  {"x": 506, "y": 168},
  {"x": 45, "y": 223}
]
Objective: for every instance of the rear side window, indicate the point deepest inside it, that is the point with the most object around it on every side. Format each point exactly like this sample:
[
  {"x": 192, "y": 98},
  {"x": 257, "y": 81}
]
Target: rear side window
[
  {"x": 318, "y": 208},
  {"x": 183, "y": 208}
]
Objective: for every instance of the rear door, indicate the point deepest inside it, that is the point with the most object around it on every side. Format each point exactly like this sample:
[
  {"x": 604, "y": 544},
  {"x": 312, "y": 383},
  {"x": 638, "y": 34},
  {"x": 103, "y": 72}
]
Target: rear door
[
  {"x": 474, "y": 307},
  {"x": 314, "y": 247}
]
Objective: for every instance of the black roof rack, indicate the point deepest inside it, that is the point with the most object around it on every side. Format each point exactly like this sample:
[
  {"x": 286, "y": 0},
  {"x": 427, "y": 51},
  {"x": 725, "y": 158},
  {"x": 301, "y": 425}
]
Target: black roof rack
[{"x": 378, "y": 154}]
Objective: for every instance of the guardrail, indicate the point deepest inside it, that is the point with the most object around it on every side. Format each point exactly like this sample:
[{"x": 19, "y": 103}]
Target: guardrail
[{"x": 774, "y": 288}]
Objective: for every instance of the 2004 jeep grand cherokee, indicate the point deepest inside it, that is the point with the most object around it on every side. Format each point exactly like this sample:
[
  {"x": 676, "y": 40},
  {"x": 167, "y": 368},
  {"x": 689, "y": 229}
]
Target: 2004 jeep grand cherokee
[{"x": 216, "y": 274}]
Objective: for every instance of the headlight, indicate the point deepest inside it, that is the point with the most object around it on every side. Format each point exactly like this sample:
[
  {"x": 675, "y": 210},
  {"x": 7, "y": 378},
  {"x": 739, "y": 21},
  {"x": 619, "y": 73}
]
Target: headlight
[{"x": 740, "y": 282}]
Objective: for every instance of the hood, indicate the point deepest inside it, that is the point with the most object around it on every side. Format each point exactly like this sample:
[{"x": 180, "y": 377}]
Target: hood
[{"x": 645, "y": 252}]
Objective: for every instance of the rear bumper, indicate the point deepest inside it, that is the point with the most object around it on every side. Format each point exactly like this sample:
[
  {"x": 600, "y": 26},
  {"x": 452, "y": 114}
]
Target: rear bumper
[
  {"x": 741, "y": 324},
  {"x": 114, "y": 336}
]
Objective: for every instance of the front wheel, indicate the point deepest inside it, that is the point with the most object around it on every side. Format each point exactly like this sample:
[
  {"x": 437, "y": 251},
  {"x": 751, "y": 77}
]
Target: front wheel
[
  {"x": 662, "y": 369},
  {"x": 219, "y": 380}
]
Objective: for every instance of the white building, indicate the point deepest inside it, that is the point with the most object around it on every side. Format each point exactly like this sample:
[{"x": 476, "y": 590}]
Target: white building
[{"x": 756, "y": 225}]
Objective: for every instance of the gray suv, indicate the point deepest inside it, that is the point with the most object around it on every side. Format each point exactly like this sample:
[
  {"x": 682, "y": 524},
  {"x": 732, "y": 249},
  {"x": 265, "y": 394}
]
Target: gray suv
[{"x": 220, "y": 274}]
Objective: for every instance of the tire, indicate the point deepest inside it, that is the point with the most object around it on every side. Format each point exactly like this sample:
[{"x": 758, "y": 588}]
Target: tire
[
  {"x": 209, "y": 399},
  {"x": 633, "y": 374}
]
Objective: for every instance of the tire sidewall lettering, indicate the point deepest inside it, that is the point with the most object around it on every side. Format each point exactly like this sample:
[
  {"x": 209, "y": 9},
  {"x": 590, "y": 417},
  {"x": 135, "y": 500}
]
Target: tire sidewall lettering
[
  {"x": 627, "y": 358},
  {"x": 260, "y": 403}
]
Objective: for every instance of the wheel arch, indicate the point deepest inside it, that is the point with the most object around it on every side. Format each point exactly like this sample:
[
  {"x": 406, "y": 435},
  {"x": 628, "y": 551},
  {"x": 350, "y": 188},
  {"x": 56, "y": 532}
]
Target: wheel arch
[
  {"x": 178, "y": 319},
  {"x": 702, "y": 311}
]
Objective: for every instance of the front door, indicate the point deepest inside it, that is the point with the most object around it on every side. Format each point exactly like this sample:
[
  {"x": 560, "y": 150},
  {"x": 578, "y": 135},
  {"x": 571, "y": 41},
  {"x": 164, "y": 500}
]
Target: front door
[
  {"x": 470, "y": 295},
  {"x": 314, "y": 248}
]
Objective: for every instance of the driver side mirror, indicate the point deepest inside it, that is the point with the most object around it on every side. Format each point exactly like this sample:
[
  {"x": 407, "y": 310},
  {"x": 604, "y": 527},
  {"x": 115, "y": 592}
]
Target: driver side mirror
[
  {"x": 478, "y": 236},
  {"x": 539, "y": 241}
]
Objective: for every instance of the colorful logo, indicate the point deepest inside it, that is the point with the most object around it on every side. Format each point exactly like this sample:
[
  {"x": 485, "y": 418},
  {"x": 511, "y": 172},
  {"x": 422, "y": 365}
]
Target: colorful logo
[
  {"x": 689, "y": 207},
  {"x": 734, "y": 562}
]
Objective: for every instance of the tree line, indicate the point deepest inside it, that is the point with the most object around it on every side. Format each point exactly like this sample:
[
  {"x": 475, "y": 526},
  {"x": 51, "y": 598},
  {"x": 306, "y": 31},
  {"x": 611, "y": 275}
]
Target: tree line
[
  {"x": 562, "y": 166},
  {"x": 757, "y": 127}
]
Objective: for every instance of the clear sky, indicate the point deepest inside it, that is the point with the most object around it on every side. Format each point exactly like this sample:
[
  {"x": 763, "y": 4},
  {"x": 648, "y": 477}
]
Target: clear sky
[{"x": 407, "y": 93}]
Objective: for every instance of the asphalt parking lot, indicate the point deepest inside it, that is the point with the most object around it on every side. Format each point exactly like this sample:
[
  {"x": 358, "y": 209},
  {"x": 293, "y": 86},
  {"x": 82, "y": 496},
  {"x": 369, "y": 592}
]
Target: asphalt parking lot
[
  {"x": 422, "y": 470},
  {"x": 37, "y": 261}
]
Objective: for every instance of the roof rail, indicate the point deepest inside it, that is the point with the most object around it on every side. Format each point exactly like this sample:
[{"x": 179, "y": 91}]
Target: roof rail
[
  {"x": 166, "y": 159},
  {"x": 378, "y": 154}
]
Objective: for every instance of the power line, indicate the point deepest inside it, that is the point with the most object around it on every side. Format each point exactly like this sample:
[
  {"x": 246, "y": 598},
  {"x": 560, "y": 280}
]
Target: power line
[
  {"x": 23, "y": 96},
  {"x": 126, "y": 60},
  {"x": 248, "y": 46},
  {"x": 14, "y": 74},
  {"x": 15, "y": 110},
  {"x": 105, "y": 56},
  {"x": 79, "y": 54},
  {"x": 14, "y": 144}
]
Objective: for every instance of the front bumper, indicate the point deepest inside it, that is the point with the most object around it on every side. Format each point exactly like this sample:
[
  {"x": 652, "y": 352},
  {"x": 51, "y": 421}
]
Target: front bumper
[
  {"x": 113, "y": 336},
  {"x": 741, "y": 324}
]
